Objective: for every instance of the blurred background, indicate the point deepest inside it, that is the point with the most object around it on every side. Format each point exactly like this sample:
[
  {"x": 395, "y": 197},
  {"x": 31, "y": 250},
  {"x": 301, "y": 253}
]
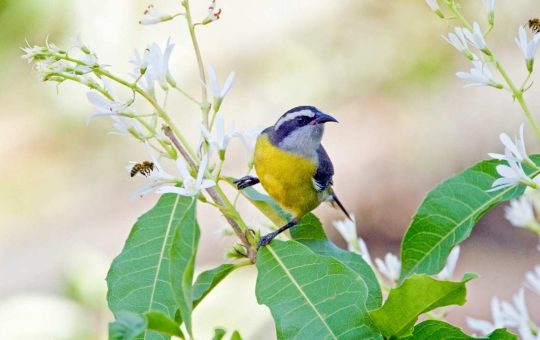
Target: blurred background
[{"x": 380, "y": 67}]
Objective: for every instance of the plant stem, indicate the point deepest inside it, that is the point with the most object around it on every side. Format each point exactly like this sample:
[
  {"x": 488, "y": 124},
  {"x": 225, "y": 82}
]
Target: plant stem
[
  {"x": 218, "y": 196},
  {"x": 205, "y": 106},
  {"x": 452, "y": 6},
  {"x": 518, "y": 95}
]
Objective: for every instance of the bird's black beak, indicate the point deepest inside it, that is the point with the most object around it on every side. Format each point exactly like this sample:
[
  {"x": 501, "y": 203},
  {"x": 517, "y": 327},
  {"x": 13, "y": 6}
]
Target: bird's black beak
[{"x": 321, "y": 118}]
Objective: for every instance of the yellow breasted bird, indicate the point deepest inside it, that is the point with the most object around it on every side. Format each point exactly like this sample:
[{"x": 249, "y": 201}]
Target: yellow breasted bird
[{"x": 292, "y": 165}]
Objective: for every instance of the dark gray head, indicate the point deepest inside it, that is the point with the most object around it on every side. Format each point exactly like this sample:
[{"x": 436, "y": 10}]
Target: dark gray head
[{"x": 300, "y": 129}]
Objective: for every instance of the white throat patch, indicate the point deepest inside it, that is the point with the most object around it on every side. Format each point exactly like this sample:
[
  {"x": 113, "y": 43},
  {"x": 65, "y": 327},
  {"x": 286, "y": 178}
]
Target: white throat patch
[{"x": 293, "y": 115}]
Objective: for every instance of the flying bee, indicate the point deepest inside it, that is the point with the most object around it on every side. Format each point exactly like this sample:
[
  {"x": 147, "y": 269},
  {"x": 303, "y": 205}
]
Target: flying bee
[
  {"x": 144, "y": 168},
  {"x": 534, "y": 25}
]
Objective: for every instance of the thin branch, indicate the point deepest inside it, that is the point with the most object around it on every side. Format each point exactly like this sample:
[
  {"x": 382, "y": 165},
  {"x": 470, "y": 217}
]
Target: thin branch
[{"x": 224, "y": 205}]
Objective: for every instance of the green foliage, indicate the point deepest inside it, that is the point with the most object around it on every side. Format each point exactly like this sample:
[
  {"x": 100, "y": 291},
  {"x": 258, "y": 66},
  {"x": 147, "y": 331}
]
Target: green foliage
[
  {"x": 206, "y": 281},
  {"x": 127, "y": 326},
  {"x": 447, "y": 215},
  {"x": 219, "y": 333},
  {"x": 309, "y": 232},
  {"x": 182, "y": 262},
  {"x": 130, "y": 325},
  {"x": 267, "y": 206},
  {"x": 311, "y": 296},
  {"x": 140, "y": 278},
  {"x": 158, "y": 321},
  {"x": 432, "y": 329},
  {"x": 418, "y": 294}
]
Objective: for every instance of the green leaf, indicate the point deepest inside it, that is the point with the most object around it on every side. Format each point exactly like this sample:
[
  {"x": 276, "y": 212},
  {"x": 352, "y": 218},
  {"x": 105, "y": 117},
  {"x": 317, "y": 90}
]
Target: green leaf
[
  {"x": 447, "y": 215},
  {"x": 502, "y": 334},
  {"x": 127, "y": 326},
  {"x": 219, "y": 333},
  {"x": 139, "y": 279},
  {"x": 433, "y": 330},
  {"x": 309, "y": 232},
  {"x": 206, "y": 281},
  {"x": 182, "y": 261},
  {"x": 267, "y": 206},
  {"x": 157, "y": 321},
  {"x": 311, "y": 296},
  {"x": 418, "y": 294},
  {"x": 236, "y": 336}
]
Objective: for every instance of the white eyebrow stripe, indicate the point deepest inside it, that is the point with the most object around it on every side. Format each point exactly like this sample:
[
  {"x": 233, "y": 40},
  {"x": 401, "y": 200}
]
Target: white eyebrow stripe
[{"x": 293, "y": 115}]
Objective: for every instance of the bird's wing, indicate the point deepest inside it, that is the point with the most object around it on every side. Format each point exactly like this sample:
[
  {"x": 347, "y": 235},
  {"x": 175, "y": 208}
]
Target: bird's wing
[
  {"x": 323, "y": 177},
  {"x": 322, "y": 180}
]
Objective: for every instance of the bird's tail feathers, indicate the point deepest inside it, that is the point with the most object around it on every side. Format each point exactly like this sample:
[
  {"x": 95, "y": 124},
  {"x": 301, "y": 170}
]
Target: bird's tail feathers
[{"x": 340, "y": 205}]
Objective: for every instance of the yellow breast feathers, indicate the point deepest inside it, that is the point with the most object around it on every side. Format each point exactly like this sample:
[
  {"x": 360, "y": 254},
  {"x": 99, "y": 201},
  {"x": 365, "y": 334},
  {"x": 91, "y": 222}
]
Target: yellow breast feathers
[{"x": 286, "y": 177}]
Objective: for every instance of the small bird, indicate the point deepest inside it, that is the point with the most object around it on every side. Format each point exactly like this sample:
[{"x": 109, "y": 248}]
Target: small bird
[{"x": 292, "y": 165}]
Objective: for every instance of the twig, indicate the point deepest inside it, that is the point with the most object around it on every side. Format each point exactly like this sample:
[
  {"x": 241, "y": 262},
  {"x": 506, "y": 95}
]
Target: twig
[{"x": 223, "y": 206}]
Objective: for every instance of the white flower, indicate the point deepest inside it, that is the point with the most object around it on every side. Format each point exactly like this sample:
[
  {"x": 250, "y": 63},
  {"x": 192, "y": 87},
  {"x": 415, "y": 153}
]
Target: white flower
[
  {"x": 347, "y": 229},
  {"x": 249, "y": 139},
  {"x": 513, "y": 151},
  {"x": 479, "y": 76},
  {"x": 213, "y": 14},
  {"x": 77, "y": 43},
  {"x": 434, "y": 5},
  {"x": 514, "y": 315},
  {"x": 222, "y": 139},
  {"x": 512, "y": 174},
  {"x": 486, "y": 327},
  {"x": 33, "y": 53},
  {"x": 490, "y": 8},
  {"x": 364, "y": 252},
  {"x": 154, "y": 64},
  {"x": 528, "y": 48},
  {"x": 390, "y": 267},
  {"x": 190, "y": 186},
  {"x": 448, "y": 270},
  {"x": 532, "y": 280},
  {"x": 218, "y": 92},
  {"x": 521, "y": 212},
  {"x": 103, "y": 105},
  {"x": 459, "y": 41},
  {"x": 153, "y": 16},
  {"x": 476, "y": 38}
]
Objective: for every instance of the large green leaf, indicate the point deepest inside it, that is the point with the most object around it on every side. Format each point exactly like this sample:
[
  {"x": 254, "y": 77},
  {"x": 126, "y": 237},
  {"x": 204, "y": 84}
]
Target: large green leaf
[
  {"x": 447, "y": 215},
  {"x": 267, "y": 206},
  {"x": 206, "y": 281},
  {"x": 418, "y": 294},
  {"x": 311, "y": 296},
  {"x": 139, "y": 279},
  {"x": 182, "y": 262},
  {"x": 439, "y": 330},
  {"x": 309, "y": 232}
]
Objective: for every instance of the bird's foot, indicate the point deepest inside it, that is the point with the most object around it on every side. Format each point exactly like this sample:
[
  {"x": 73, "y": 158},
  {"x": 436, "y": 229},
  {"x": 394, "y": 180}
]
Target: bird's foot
[
  {"x": 266, "y": 239},
  {"x": 245, "y": 182}
]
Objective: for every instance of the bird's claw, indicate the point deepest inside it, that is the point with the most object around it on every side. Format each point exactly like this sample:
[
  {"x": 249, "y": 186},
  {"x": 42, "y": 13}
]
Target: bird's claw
[
  {"x": 245, "y": 182},
  {"x": 266, "y": 239}
]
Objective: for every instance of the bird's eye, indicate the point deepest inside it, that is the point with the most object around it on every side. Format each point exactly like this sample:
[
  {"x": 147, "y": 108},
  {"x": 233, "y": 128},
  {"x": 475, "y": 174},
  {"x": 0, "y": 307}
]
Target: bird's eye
[{"x": 301, "y": 120}]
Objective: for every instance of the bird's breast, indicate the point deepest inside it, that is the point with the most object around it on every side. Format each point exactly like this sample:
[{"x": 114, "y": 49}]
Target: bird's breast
[{"x": 286, "y": 177}]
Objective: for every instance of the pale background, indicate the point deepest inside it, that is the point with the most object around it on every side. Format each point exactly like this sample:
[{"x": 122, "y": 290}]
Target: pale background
[{"x": 380, "y": 67}]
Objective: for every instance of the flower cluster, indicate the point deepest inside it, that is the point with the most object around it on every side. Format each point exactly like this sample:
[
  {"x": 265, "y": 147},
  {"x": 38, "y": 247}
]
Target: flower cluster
[
  {"x": 515, "y": 155},
  {"x": 390, "y": 266},
  {"x": 150, "y": 68},
  {"x": 470, "y": 40},
  {"x": 513, "y": 314}
]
